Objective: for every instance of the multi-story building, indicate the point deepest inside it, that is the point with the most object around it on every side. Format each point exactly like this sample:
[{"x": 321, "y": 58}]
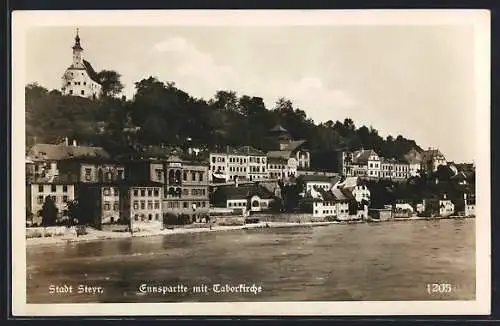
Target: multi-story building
[
  {"x": 62, "y": 189},
  {"x": 281, "y": 166},
  {"x": 257, "y": 163},
  {"x": 432, "y": 158},
  {"x": 310, "y": 182},
  {"x": 80, "y": 79},
  {"x": 251, "y": 198},
  {"x": 280, "y": 144}
]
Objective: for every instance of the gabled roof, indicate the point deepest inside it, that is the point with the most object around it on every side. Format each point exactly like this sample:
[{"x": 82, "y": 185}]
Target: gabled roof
[
  {"x": 63, "y": 179},
  {"x": 342, "y": 194},
  {"x": 279, "y": 154},
  {"x": 294, "y": 145},
  {"x": 61, "y": 152},
  {"x": 351, "y": 182},
  {"x": 278, "y": 128},
  {"x": 244, "y": 192},
  {"x": 361, "y": 157},
  {"x": 251, "y": 151},
  {"x": 90, "y": 70}
]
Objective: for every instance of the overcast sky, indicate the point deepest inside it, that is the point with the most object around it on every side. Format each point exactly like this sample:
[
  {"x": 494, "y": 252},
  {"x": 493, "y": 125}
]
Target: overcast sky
[{"x": 417, "y": 81}]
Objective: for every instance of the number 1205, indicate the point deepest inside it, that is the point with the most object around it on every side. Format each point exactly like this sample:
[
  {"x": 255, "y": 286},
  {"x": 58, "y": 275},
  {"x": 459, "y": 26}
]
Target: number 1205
[{"x": 440, "y": 288}]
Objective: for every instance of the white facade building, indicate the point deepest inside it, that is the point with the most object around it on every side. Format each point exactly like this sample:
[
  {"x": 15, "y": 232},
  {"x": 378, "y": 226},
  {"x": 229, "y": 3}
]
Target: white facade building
[{"x": 80, "y": 79}]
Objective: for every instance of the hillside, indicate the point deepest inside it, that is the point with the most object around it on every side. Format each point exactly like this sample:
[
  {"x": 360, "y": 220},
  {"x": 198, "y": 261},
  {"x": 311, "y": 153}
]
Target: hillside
[{"x": 160, "y": 113}]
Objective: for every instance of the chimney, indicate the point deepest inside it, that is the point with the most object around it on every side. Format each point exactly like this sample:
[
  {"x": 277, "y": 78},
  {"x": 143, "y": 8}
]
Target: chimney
[
  {"x": 444, "y": 196},
  {"x": 74, "y": 143},
  {"x": 66, "y": 141},
  {"x": 465, "y": 196},
  {"x": 236, "y": 182}
]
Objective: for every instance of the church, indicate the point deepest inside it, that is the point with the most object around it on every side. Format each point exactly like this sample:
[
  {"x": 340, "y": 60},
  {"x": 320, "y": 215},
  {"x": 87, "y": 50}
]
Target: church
[{"x": 80, "y": 79}]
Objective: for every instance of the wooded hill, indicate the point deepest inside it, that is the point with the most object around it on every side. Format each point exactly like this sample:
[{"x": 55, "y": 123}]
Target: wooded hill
[{"x": 160, "y": 113}]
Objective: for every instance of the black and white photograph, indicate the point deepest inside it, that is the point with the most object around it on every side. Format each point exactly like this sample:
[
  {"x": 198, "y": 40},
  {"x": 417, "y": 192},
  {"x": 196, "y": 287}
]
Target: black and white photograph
[{"x": 298, "y": 162}]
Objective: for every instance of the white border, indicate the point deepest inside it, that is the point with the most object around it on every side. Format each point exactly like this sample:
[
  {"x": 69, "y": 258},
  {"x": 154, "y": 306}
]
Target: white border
[{"x": 480, "y": 19}]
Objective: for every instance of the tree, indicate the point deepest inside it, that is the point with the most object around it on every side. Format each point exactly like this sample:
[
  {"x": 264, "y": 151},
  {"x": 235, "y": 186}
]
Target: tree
[
  {"x": 49, "y": 212},
  {"x": 74, "y": 212},
  {"x": 110, "y": 83}
]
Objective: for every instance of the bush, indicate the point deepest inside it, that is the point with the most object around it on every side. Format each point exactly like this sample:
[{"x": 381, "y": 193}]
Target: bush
[{"x": 81, "y": 230}]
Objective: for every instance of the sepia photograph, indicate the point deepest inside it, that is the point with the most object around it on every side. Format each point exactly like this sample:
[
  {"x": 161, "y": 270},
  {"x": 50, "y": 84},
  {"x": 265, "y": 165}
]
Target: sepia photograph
[{"x": 313, "y": 162}]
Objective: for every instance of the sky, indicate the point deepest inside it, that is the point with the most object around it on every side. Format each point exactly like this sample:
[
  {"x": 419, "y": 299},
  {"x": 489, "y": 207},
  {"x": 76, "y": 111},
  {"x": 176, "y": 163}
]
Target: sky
[{"x": 417, "y": 81}]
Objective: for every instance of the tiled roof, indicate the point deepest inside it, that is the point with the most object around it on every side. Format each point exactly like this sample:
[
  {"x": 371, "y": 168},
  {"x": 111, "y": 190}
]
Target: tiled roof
[{"x": 61, "y": 152}]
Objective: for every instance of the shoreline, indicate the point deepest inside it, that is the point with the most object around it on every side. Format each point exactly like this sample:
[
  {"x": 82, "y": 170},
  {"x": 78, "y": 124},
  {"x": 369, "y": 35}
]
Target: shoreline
[{"x": 97, "y": 235}]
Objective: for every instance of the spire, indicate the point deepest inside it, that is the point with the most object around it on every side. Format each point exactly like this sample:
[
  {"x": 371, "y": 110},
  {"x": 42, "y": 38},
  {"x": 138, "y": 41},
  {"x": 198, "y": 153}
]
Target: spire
[{"x": 77, "y": 45}]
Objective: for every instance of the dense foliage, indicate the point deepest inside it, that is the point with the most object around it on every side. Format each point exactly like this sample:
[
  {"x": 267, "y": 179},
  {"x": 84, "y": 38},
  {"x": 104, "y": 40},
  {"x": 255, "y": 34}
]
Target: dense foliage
[{"x": 160, "y": 113}]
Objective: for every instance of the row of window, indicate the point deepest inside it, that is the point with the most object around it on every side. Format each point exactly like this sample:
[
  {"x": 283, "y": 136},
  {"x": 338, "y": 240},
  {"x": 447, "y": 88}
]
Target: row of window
[
  {"x": 57, "y": 199},
  {"x": 108, "y": 205},
  {"x": 78, "y": 83},
  {"x": 142, "y": 204},
  {"x": 237, "y": 204},
  {"x": 110, "y": 191},
  {"x": 155, "y": 192},
  {"x": 53, "y": 188},
  {"x": 185, "y": 204},
  {"x": 342, "y": 211},
  {"x": 239, "y": 160},
  {"x": 143, "y": 218}
]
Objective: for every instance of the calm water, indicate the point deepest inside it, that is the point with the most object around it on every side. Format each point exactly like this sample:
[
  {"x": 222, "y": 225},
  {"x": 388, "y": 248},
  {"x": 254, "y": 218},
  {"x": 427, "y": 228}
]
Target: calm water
[{"x": 386, "y": 261}]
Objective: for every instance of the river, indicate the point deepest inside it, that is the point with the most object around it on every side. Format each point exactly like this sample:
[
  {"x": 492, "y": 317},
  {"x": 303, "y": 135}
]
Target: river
[{"x": 372, "y": 261}]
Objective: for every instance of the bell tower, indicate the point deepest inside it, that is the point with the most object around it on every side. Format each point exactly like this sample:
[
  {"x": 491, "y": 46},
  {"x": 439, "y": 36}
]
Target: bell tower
[{"x": 77, "y": 52}]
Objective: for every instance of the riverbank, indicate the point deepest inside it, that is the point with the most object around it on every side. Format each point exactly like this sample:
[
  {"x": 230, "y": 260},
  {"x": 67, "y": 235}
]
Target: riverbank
[{"x": 97, "y": 235}]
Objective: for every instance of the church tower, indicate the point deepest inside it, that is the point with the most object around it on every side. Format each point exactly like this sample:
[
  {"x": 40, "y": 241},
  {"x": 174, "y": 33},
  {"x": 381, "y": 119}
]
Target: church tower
[
  {"x": 80, "y": 79},
  {"x": 77, "y": 53}
]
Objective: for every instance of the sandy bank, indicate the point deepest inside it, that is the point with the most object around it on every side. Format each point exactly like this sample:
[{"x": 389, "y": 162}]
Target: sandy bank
[{"x": 96, "y": 235}]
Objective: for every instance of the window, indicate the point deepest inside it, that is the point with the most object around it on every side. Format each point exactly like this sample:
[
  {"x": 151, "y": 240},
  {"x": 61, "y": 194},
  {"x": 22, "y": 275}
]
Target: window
[
  {"x": 65, "y": 199},
  {"x": 156, "y": 192},
  {"x": 185, "y": 204},
  {"x": 193, "y": 176},
  {"x": 88, "y": 171},
  {"x": 201, "y": 176},
  {"x": 150, "y": 204},
  {"x": 136, "y": 217},
  {"x": 106, "y": 191},
  {"x": 136, "y": 192},
  {"x": 143, "y": 204},
  {"x": 115, "y": 206},
  {"x": 40, "y": 188},
  {"x": 65, "y": 188},
  {"x": 159, "y": 174},
  {"x": 185, "y": 192},
  {"x": 150, "y": 193},
  {"x": 115, "y": 191},
  {"x": 83, "y": 92},
  {"x": 136, "y": 204},
  {"x": 39, "y": 200},
  {"x": 157, "y": 216},
  {"x": 157, "y": 204},
  {"x": 143, "y": 192},
  {"x": 120, "y": 174},
  {"x": 84, "y": 83},
  {"x": 213, "y": 159},
  {"x": 53, "y": 188},
  {"x": 107, "y": 206}
]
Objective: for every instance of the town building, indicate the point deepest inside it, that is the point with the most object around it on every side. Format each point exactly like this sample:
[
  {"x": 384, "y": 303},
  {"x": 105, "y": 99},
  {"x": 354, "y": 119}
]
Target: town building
[
  {"x": 470, "y": 205},
  {"x": 281, "y": 145},
  {"x": 310, "y": 182},
  {"x": 62, "y": 189},
  {"x": 432, "y": 158},
  {"x": 243, "y": 198},
  {"x": 362, "y": 195},
  {"x": 80, "y": 78},
  {"x": 257, "y": 163},
  {"x": 141, "y": 205},
  {"x": 439, "y": 206},
  {"x": 414, "y": 160}
]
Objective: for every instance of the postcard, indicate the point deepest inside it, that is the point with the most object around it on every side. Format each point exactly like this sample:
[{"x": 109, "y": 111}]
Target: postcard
[{"x": 263, "y": 162}]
